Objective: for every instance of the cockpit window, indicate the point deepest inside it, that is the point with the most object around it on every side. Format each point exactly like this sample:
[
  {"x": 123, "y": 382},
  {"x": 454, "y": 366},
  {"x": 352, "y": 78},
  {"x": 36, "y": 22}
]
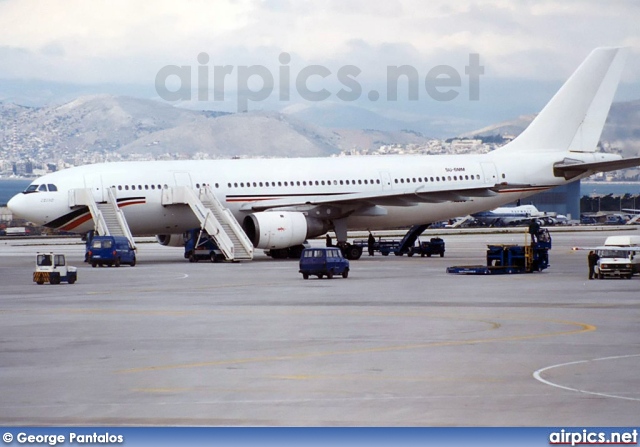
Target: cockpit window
[{"x": 40, "y": 188}]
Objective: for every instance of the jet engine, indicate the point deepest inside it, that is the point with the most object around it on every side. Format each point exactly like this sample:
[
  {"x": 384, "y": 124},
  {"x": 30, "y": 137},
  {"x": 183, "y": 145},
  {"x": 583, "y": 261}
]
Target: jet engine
[
  {"x": 281, "y": 229},
  {"x": 170, "y": 240}
]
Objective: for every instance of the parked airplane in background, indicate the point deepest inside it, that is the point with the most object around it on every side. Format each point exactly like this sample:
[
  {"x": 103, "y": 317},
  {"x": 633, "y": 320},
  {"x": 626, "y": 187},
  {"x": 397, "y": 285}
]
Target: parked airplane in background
[
  {"x": 282, "y": 202},
  {"x": 511, "y": 215}
]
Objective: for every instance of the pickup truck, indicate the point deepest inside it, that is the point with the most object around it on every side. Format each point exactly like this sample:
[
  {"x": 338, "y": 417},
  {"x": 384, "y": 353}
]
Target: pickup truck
[{"x": 620, "y": 256}]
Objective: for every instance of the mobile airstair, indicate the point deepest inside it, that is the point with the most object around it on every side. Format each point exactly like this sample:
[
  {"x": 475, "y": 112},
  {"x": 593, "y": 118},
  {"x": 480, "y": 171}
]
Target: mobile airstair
[
  {"x": 108, "y": 218},
  {"x": 214, "y": 218}
]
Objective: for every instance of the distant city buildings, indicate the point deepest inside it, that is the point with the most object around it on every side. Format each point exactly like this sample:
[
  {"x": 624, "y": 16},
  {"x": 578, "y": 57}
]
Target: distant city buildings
[{"x": 40, "y": 162}]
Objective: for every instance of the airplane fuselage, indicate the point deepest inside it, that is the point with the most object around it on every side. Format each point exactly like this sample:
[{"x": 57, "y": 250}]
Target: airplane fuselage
[
  {"x": 283, "y": 201},
  {"x": 138, "y": 187}
]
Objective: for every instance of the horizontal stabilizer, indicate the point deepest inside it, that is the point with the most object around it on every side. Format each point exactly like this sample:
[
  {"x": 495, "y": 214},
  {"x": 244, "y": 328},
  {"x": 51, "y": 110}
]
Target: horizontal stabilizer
[{"x": 569, "y": 170}]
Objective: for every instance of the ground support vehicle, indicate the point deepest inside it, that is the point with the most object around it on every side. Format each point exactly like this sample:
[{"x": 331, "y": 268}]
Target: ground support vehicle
[
  {"x": 396, "y": 246},
  {"x": 198, "y": 245},
  {"x": 435, "y": 246},
  {"x": 384, "y": 246},
  {"x": 53, "y": 268},
  {"x": 110, "y": 251},
  {"x": 323, "y": 262},
  {"x": 619, "y": 257},
  {"x": 509, "y": 259}
]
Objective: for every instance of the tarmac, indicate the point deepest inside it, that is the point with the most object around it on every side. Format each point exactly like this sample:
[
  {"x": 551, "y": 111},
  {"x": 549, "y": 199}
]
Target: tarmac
[{"x": 398, "y": 343}]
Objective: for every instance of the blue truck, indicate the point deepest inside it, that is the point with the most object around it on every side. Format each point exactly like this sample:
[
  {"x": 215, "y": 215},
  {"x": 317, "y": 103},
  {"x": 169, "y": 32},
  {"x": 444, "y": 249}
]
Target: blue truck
[
  {"x": 110, "y": 251},
  {"x": 434, "y": 246},
  {"x": 323, "y": 262},
  {"x": 200, "y": 246},
  {"x": 510, "y": 259}
]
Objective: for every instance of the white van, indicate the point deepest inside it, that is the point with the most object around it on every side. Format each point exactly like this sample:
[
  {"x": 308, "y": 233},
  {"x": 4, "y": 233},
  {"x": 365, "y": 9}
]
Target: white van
[{"x": 620, "y": 256}]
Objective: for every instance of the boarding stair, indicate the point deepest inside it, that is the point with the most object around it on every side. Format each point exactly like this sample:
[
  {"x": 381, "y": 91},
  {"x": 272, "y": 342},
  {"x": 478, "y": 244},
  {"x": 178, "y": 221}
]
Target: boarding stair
[
  {"x": 215, "y": 219},
  {"x": 108, "y": 218}
]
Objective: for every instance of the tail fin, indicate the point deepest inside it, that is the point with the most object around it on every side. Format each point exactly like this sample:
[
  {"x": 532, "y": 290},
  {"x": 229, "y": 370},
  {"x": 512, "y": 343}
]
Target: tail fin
[{"x": 574, "y": 118}]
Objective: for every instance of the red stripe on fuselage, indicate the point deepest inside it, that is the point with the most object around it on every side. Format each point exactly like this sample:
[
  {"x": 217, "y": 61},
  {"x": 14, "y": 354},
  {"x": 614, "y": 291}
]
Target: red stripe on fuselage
[{"x": 77, "y": 222}]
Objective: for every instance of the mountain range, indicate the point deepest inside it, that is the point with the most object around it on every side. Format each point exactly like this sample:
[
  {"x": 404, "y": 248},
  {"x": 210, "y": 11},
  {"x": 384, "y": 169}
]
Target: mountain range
[{"x": 103, "y": 124}]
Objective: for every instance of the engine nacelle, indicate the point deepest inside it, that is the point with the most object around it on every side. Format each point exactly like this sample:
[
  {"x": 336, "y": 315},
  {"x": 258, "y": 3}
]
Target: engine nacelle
[
  {"x": 281, "y": 229},
  {"x": 170, "y": 240}
]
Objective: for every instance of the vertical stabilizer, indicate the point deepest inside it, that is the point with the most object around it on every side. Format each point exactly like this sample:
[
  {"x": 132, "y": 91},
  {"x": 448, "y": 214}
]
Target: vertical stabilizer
[{"x": 574, "y": 118}]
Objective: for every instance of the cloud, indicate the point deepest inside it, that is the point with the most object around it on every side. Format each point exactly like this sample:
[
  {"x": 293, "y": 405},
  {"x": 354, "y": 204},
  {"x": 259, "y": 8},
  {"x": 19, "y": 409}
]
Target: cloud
[{"x": 129, "y": 41}]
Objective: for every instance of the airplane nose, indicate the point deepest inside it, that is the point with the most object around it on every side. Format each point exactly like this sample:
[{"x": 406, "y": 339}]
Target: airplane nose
[{"x": 18, "y": 206}]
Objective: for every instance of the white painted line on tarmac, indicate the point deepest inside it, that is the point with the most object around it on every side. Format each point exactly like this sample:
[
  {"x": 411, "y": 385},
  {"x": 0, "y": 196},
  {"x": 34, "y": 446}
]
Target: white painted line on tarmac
[{"x": 538, "y": 376}]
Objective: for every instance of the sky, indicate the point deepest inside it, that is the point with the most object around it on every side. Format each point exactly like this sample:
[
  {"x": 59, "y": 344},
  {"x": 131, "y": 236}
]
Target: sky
[{"x": 51, "y": 50}]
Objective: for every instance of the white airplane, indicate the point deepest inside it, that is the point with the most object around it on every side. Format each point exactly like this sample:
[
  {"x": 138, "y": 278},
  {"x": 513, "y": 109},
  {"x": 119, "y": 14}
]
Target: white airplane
[
  {"x": 506, "y": 215},
  {"x": 282, "y": 202}
]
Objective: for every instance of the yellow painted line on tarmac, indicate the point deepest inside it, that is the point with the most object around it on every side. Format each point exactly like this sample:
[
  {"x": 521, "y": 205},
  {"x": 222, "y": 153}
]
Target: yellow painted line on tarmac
[
  {"x": 164, "y": 289},
  {"x": 162, "y": 390},
  {"x": 582, "y": 328},
  {"x": 382, "y": 378}
]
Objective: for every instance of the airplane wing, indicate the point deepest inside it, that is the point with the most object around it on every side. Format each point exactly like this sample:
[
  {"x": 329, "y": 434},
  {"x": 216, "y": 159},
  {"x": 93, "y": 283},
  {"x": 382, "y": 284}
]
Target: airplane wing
[
  {"x": 395, "y": 197},
  {"x": 570, "y": 169}
]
